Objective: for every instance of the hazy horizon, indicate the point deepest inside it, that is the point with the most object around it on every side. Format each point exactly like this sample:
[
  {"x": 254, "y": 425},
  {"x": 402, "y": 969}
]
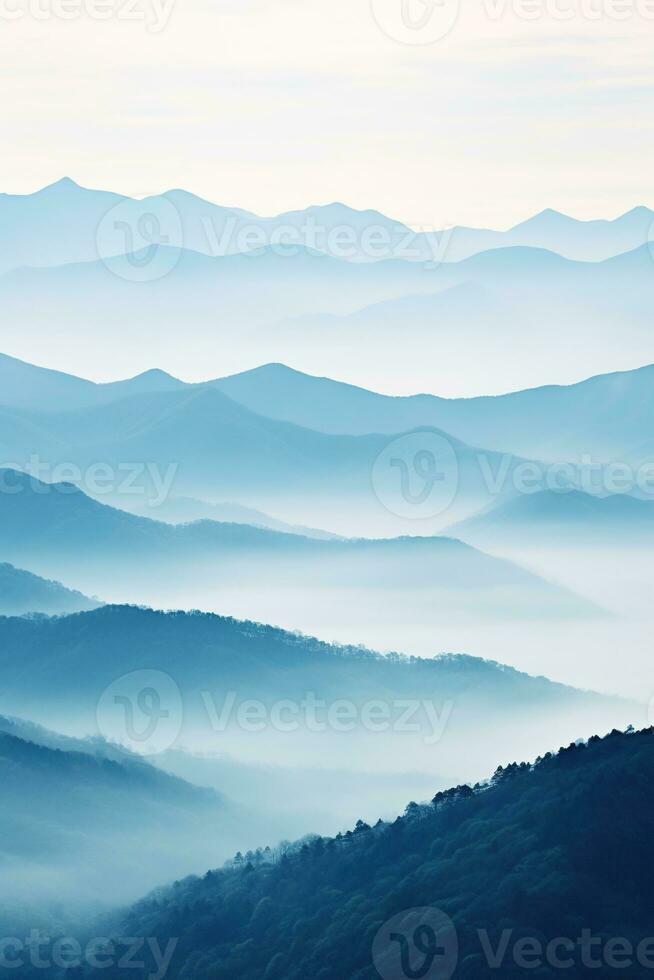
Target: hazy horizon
[
  {"x": 263, "y": 104},
  {"x": 502, "y": 224}
]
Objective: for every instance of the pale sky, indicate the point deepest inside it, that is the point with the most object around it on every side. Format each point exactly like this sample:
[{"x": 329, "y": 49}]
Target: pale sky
[{"x": 277, "y": 104}]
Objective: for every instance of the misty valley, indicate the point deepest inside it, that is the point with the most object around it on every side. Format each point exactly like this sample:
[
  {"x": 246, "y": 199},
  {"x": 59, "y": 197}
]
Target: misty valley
[{"x": 299, "y": 679}]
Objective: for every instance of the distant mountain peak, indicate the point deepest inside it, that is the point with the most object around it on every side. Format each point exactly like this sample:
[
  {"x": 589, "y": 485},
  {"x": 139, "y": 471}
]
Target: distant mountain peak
[
  {"x": 550, "y": 213},
  {"x": 548, "y": 216},
  {"x": 63, "y": 184},
  {"x": 276, "y": 367},
  {"x": 641, "y": 210},
  {"x": 154, "y": 374}
]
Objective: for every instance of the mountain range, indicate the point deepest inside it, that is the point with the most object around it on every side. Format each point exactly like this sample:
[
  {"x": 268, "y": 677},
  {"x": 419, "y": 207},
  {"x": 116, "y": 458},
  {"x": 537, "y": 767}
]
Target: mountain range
[
  {"x": 270, "y": 303},
  {"x": 198, "y": 442},
  {"x": 58, "y": 530},
  {"x": 608, "y": 416},
  {"x": 32, "y": 223}
]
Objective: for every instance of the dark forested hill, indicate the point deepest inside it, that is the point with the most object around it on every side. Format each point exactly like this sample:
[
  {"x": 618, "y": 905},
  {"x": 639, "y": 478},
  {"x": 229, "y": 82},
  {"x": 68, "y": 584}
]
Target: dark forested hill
[
  {"x": 452, "y": 716},
  {"x": 560, "y": 851}
]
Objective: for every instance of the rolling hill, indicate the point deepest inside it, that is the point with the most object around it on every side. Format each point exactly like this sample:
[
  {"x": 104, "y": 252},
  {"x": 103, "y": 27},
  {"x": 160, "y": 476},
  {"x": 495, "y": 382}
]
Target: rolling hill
[
  {"x": 444, "y": 716},
  {"x": 186, "y": 510},
  {"x": 567, "y": 519},
  {"x": 200, "y": 443},
  {"x": 21, "y": 592},
  {"x": 543, "y": 864},
  {"x": 26, "y": 386},
  {"x": 608, "y": 416},
  {"x": 58, "y": 530},
  {"x": 73, "y": 825}
]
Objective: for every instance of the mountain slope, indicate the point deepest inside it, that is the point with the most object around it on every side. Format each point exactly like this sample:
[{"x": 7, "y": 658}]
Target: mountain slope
[
  {"x": 462, "y": 710},
  {"x": 197, "y": 442},
  {"x": 73, "y": 826},
  {"x": 569, "y": 518},
  {"x": 31, "y": 225},
  {"x": 25, "y": 386},
  {"x": 57, "y": 529},
  {"x": 608, "y": 415},
  {"x": 21, "y": 592},
  {"x": 186, "y": 510},
  {"x": 541, "y": 854},
  {"x": 97, "y": 747}
]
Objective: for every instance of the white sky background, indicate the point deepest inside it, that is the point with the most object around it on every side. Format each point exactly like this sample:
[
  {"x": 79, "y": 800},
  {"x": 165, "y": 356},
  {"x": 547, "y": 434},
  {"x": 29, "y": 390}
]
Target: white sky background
[{"x": 277, "y": 104}]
